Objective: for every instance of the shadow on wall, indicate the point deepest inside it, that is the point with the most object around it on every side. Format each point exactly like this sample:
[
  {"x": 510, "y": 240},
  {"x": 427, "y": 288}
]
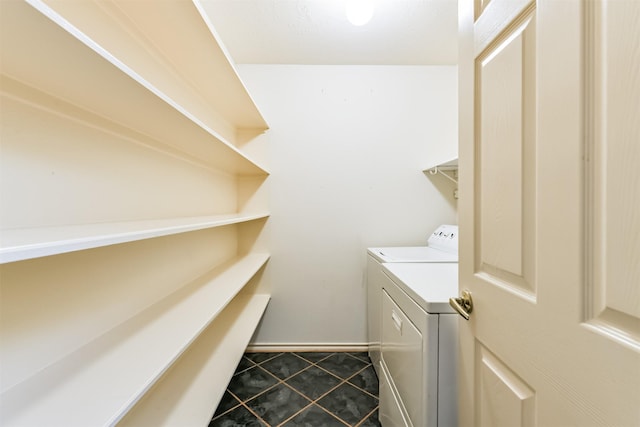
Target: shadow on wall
[{"x": 445, "y": 186}]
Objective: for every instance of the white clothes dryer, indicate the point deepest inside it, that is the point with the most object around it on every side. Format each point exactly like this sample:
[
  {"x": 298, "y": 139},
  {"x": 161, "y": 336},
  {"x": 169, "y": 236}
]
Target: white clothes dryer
[
  {"x": 418, "y": 382},
  {"x": 442, "y": 246}
]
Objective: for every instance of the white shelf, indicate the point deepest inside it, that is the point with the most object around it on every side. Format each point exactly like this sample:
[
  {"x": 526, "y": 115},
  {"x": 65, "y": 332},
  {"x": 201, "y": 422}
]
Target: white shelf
[
  {"x": 210, "y": 363},
  {"x": 77, "y": 73},
  {"x": 442, "y": 168},
  {"x": 450, "y": 165},
  {"x": 29, "y": 243},
  {"x": 180, "y": 63},
  {"x": 100, "y": 382}
]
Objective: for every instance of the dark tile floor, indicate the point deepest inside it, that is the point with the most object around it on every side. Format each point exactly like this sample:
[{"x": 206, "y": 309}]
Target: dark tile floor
[{"x": 300, "y": 389}]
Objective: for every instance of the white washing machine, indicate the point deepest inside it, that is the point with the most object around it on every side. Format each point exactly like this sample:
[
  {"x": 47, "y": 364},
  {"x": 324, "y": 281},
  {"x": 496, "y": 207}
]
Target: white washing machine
[
  {"x": 418, "y": 382},
  {"x": 442, "y": 246}
]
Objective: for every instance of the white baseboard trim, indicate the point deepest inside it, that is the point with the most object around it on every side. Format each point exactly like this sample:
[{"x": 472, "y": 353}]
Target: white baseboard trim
[{"x": 292, "y": 347}]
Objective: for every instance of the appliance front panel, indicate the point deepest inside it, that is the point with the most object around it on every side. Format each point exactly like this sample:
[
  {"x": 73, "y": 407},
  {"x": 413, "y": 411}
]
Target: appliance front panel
[{"x": 410, "y": 352}]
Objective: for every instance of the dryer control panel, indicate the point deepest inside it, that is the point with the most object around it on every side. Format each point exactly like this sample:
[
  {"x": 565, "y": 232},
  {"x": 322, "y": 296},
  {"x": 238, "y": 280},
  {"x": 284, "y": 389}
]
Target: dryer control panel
[{"x": 444, "y": 238}]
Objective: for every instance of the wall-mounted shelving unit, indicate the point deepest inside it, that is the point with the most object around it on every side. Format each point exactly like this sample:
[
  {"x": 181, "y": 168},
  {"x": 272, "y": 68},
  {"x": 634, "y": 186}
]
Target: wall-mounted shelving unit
[
  {"x": 132, "y": 246},
  {"x": 447, "y": 169},
  {"x": 443, "y": 167}
]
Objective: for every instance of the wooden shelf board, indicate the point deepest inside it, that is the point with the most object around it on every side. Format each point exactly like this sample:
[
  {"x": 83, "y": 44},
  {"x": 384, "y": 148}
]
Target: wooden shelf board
[
  {"x": 29, "y": 243},
  {"x": 210, "y": 362},
  {"x": 449, "y": 165},
  {"x": 180, "y": 63},
  {"x": 100, "y": 382},
  {"x": 81, "y": 73}
]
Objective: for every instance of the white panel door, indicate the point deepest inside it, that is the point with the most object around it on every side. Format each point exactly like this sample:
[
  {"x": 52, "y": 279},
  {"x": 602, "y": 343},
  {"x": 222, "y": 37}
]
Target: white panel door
[{"x": 550, "y": 212}]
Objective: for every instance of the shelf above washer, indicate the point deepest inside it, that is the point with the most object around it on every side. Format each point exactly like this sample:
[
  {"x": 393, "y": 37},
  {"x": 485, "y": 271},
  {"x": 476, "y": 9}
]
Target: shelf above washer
[{"x": 448, "y": 166}]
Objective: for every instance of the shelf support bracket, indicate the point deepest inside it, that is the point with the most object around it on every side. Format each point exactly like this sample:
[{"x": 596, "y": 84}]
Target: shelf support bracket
[{"x": 436, "y": 170}]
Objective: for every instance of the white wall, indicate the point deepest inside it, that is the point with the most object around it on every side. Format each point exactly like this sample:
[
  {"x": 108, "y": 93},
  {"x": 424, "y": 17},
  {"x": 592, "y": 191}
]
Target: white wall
[{"x": 347, "y": 148}]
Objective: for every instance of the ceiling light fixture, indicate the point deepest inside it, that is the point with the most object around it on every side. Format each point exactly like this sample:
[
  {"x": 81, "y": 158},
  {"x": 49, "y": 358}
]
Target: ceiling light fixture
[{"x": 359, "y": 12}]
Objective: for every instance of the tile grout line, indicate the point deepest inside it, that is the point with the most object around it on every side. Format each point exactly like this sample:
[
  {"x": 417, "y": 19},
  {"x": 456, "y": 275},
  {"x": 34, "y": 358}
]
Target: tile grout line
[
  {"x": 279, "y": 381},
  {"x": 255, "y": 414},
  {"x": 346, "y": 380},
  {"x": 283, "y": 382},
  {"x": 366, "y": 417},
  {"x": 359, "y": 388},
  {"x": 312, "y": 364},
  {"x": 315, "y": 402},
  {"x": 243, "y": 404},
  {"x": 311, "y": 403},
  {"x": 342, "y": 381}
]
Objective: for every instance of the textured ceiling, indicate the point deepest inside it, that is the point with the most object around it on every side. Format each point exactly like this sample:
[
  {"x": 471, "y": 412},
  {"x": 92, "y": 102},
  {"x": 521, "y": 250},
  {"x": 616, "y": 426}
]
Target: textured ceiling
[{"x": 401, "y": 32}]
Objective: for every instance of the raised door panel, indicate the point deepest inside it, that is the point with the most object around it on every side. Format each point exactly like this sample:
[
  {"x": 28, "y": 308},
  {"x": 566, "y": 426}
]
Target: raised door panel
[
  {"x": 505, "y": 162},
  {"x": 613, "y": 235},
  {"x": 505, "y": 399}
]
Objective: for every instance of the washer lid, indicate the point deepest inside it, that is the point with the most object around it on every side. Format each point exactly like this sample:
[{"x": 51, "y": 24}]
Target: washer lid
[
  {"x": 412, "y": 254},
  {"x": 430, "y": 285}
]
